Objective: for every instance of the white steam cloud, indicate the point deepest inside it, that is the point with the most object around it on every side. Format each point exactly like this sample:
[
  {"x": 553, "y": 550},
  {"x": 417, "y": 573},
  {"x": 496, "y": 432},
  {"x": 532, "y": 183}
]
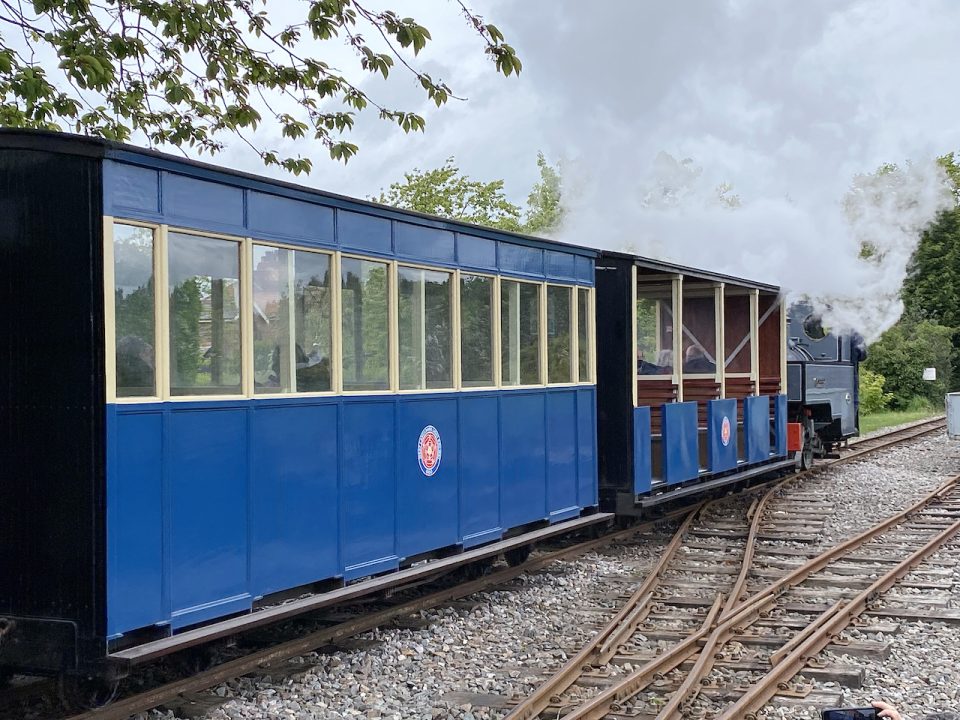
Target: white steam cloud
[{"x": 744, "y": 136}]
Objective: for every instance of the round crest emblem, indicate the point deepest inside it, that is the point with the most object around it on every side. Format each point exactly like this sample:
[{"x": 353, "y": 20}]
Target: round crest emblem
[
  {"x": 725, "y": 431},
  {"x": 429, "y": 451}
]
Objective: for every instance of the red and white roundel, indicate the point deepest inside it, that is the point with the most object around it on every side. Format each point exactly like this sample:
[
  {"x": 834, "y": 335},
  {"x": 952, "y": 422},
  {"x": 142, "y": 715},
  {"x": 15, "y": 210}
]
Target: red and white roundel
[
  {"x": 725, "y": 431},
  {"x": 429, "y": 451}
]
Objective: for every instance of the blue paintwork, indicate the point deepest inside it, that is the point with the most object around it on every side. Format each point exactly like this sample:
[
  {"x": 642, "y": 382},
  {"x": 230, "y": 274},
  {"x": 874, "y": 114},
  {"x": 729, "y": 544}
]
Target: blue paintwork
[
  {"x": 197, "y": 202},
  {"x": 273, "y": 216},
  {"x": 476, "y": 252},
  {"x": 721, "y": 456},
  {"x": 356, "y": 231},
  {"x": 587, "y": 446},
  {"x": 135, "y": 523},
  {"x": 680, "y": 459},
  {"x": 161, "y": 189},
  {"x": 206, "y": 483},
  {"x": 424, "y": 244},
  {"x": 562, "y": 489},
  {"x": 212, "y": 504},
  {"x": 523, "y": 467},
  {"x": 131, "y": 188},
  {"x": 293, "y": 493},
  {"x": 756, "y": 428},
  {"x": 520, "y": 260},
  {"x": 367, "y": 487},
  {"x": 479, "y": 469},
  {"x": 427, "y": 507},
  {"x": 559, "y": 265},
  {"x": 780, "y": 425},
  {"x": 642, "y": 451}
]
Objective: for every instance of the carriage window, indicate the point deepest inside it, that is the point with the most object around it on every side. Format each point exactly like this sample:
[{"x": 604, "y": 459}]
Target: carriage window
[
  {"x": 291, "y": 321},
  {"x": 699, "y": 329},
  {"x": 654, "y": 328},
  {"x": 133, "y": 311},
  {"x": 736, "y": 332},
  {"x": 365, "y": 326},
  {"x": 559, "y": 367},
  {"x": 424, "y": 319},
  {"x": 584, "y": 315},
  {"x": 204, "y": 315},
  {"x": 476, "y": 330},
  {"x": 520, "y": 333}
]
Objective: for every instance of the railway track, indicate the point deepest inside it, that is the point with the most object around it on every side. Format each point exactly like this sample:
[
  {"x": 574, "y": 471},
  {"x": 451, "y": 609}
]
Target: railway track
[
  {"x": 714, "y": 534},
  {"x": 736, "y": 611}
]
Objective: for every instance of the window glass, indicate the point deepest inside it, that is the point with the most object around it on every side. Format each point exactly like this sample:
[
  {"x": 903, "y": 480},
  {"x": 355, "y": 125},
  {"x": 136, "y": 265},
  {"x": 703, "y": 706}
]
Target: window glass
[
  {"x": 583, "y": 333},
  {"x": 654, "y": 328},
  {"x": 365, "y": 325},
  {"x": 520, "y": 333},
  {"x": 559, "y": 367},
  {"x": 476, "y": 330},
  {"x": 204, "y": 315},
  {"x": 133, "y": 311},
  {"x": 291, "y": 320},
  {"x": 425, "y": 334}
]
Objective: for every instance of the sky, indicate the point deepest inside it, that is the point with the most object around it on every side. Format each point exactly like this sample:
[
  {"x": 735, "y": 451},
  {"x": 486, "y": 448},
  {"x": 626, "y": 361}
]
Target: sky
[{"x": 650, "y": 106}]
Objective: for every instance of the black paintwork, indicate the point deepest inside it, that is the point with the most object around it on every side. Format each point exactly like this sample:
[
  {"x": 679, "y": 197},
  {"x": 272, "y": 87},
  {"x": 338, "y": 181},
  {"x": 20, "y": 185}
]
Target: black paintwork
[{"x": 52, "y": 414}]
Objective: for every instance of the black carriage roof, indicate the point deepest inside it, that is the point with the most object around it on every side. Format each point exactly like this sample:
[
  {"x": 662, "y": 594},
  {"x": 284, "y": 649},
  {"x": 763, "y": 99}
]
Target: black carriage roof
[
  {"x": 688, "y": 272},
  {"x": 68, "y": 143}
]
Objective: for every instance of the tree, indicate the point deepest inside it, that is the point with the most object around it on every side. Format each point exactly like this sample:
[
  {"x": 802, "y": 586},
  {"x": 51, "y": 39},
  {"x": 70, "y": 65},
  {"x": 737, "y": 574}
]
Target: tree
[
  {"x": 544, "y": 208},
  {"x": 448, "y": 193},
  {"x": 186, "y": 73},
  {"x": 873, "y": 399},
  {"x": 902, "y": 353}
]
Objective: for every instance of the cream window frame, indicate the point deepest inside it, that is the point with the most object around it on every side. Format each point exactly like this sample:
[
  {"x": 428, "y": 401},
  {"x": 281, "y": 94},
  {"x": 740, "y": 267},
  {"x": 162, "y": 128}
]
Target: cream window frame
[
  {"x": 454, "y": 328},
  {"x": 542, "y": 320},
  {"x": 635, "y": 296},
  {"x": 591, "y": 338},
  {"x": 392, "y": 352},
  {"x": 703, "y": 291},
  {"x": 574, "y": 340},
  {"x": 495, "y": 331},
  {"x": 335, "y": 321}
]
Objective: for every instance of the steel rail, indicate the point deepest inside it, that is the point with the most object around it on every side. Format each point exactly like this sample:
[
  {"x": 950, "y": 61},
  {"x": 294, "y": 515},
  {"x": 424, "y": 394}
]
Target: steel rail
[
  {"x": 745, "y": 614},
  {"x": 840, "y": 616}
]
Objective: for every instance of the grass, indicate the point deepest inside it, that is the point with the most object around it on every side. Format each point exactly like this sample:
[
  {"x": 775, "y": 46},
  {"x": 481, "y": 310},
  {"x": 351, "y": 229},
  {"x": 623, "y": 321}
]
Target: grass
[{"x": 876, "y": 421}]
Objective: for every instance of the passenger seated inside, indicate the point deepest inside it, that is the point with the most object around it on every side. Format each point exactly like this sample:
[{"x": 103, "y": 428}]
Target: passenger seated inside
[
  {"x": 665, "y": 362},
  {"x": 695, "y": 361},
  {"x": 646, "y": 368}
]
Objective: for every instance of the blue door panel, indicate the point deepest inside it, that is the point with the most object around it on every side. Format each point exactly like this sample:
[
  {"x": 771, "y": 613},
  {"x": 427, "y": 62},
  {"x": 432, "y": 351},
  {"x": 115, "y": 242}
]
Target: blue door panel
[
  {"x": 756, "y": 427},
  {"x": 207, "y": 481},
  {"x": 523, "y": 482},
  {"x": 722, "y": 434},
  {"x": 780, "y": 425},
  {"x": 135, "y": 522},
  {"x": 562, "y": 496},
  {"x": 587, "y": 446},
  {"x": 479, "y": 469},
  {"x": 642, "y": 450},
  {"x": 295, "y": 528},
  {"x": 367, "y": 489},
  {"x": 427, "y": 504},
  {"x": 680, "y": 442}
]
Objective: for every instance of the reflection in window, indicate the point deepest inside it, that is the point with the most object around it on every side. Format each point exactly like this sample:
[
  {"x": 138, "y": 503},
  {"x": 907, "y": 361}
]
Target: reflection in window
[
  {"x": 133, "y": 311},
  {"x": 559, "y": 367},
  {"x": 291, "y": 321},
  {"x": 364, "y": 325},
  {"x": 476, "y": 330},
  {"x": 583, "y": 333},
  {"x": 520, "y": 333},
  {"x": 204, "y": 315},
  {"x": 425, "y": 334}
]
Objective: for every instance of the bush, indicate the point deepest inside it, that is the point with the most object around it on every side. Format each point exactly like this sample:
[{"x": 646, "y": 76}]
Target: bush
[
  {"x": 901, "y": 355},
  {"x": 872, "y": 397}
]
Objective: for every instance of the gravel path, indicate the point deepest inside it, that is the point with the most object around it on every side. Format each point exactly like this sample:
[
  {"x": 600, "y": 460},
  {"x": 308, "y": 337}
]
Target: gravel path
[{"x": 500, "y": 642}]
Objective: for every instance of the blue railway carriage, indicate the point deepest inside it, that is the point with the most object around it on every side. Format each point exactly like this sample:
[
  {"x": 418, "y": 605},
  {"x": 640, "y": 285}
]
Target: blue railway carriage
[
  {"x": 691, "y": 381},
  {"x": 220, "y": 388}
]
